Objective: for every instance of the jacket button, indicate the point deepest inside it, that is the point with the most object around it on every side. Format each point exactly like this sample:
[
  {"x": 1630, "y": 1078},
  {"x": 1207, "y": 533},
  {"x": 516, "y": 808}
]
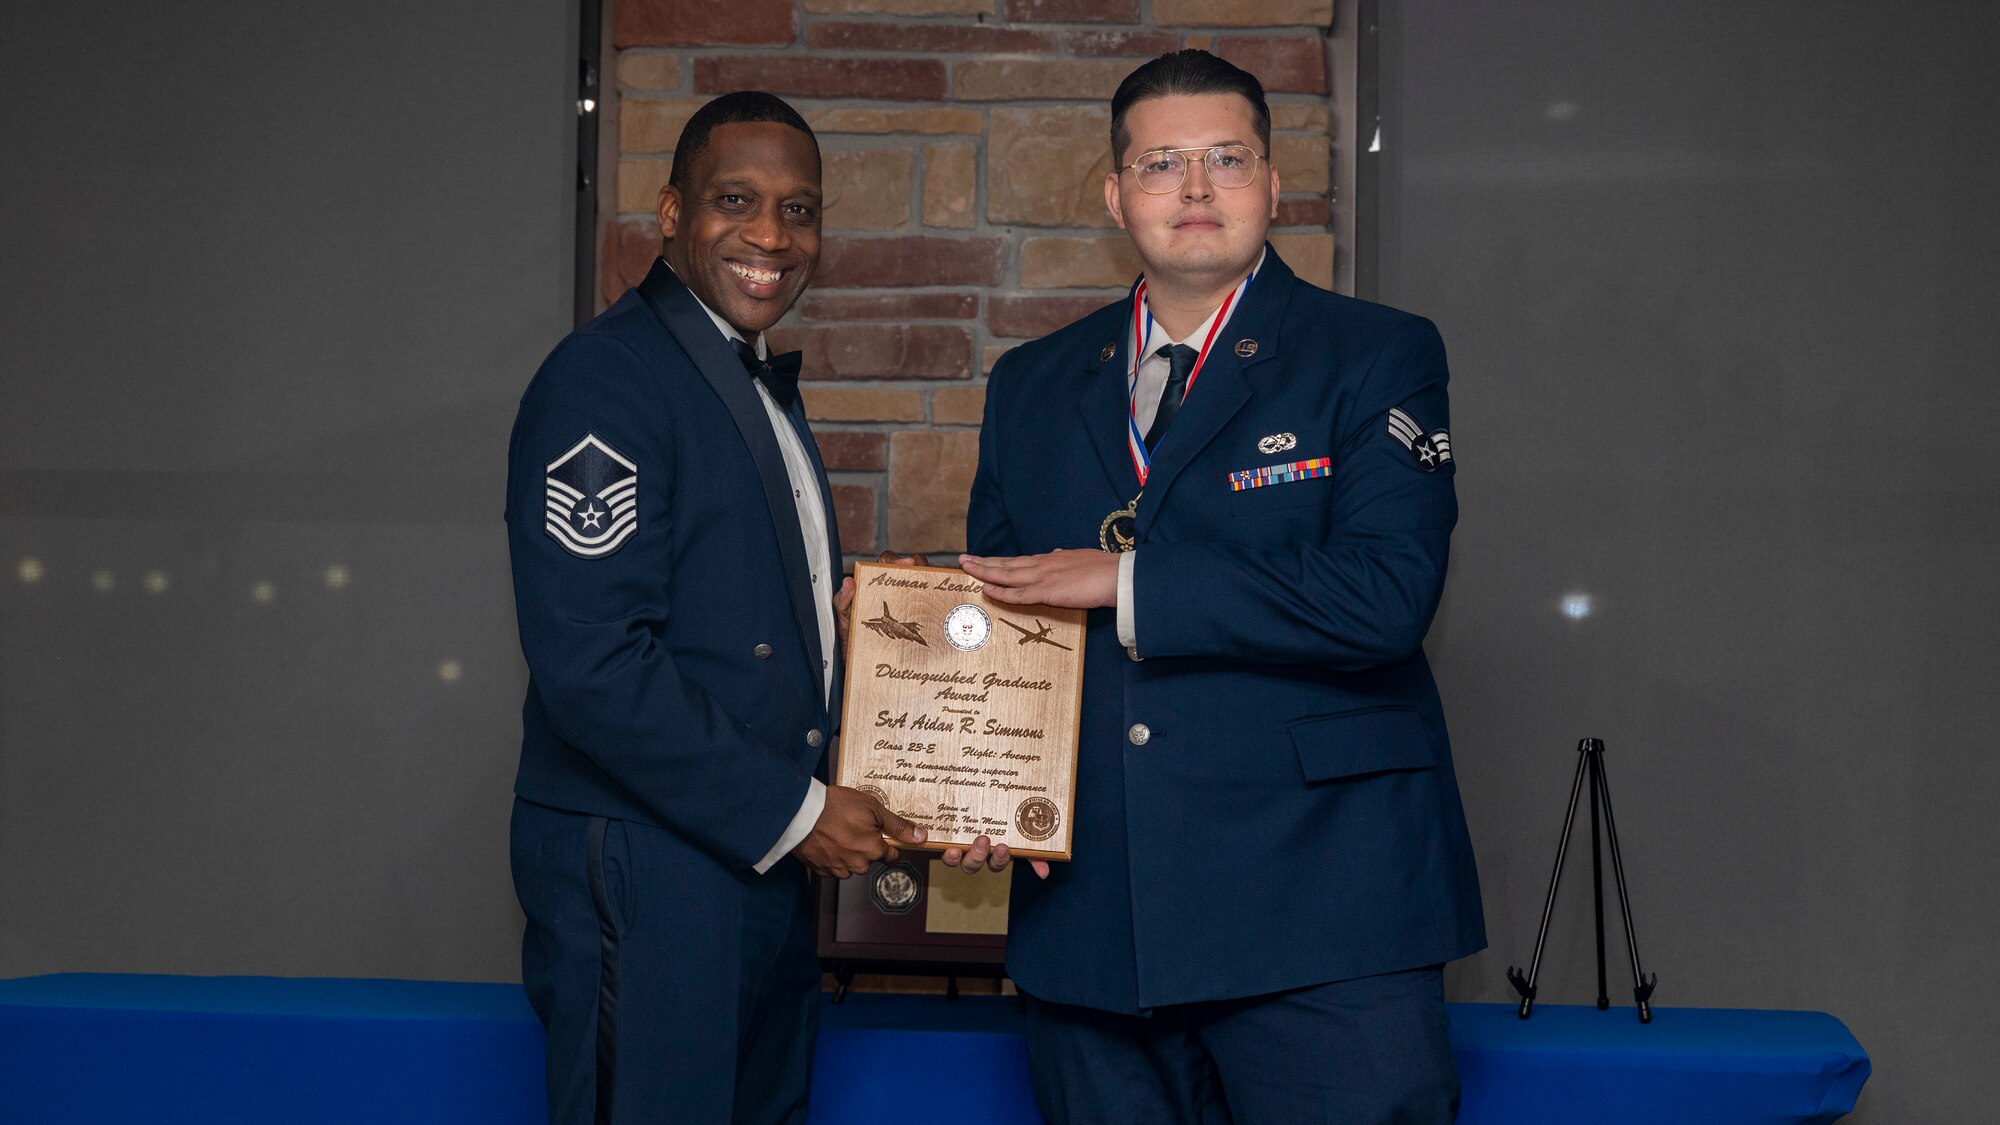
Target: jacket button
[
  {"x": 761, "y": 652},
  {"x": 814, "y": 738},
  {"x": 1140, "y": 734}
]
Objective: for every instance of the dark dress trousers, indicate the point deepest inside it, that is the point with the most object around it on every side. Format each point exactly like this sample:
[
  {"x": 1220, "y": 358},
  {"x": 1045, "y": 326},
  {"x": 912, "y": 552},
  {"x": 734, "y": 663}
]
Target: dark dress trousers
[
  {"x": 675, "y": 717},
  {"x": 1265, "y": 793}
]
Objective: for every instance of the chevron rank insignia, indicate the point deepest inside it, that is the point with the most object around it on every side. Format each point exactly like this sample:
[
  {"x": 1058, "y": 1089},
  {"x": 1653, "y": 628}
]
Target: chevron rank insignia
[
  {"x": 1430, "y": 451},
  {"x": 593, "y": 503}
]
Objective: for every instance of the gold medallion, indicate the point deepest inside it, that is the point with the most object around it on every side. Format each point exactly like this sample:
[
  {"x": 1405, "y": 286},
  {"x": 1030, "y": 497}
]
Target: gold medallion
[{"x": 1118, "y": 532}]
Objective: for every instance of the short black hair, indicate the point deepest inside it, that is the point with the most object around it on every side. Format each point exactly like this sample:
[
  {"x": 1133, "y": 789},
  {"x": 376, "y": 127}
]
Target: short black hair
[
  {"x": 731, "y": 109},
  {"x": 1187, "y": 72}
]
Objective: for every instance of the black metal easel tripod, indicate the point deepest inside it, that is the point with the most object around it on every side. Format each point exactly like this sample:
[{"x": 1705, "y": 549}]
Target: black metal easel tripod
[{"x": 1590, "y": 761}]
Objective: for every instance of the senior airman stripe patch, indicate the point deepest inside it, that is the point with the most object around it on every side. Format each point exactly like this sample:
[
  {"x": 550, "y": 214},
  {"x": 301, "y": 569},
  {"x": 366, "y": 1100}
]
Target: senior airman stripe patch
[{"x": 1430, "y": 453}]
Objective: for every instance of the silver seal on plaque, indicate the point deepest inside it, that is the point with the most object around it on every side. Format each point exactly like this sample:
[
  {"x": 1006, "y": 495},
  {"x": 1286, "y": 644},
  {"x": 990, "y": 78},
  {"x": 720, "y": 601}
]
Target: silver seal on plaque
[{"x": 967, "y": 628}]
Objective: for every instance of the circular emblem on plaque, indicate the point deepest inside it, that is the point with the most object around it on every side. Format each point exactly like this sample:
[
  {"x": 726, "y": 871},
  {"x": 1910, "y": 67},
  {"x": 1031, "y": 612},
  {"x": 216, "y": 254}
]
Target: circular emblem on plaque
[
  {"x": 875, "y": 791},
  {"x": 895, "y": 889},
  {"x": 967, "y": 627},
  {"x": 1036, "y": 818},
  {"x": 1246, "y": 348}
]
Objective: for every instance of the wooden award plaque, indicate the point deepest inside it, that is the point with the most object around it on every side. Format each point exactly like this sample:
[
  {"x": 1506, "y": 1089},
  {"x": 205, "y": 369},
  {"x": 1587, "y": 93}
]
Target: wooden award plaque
[{"x": 961, "y": 713}]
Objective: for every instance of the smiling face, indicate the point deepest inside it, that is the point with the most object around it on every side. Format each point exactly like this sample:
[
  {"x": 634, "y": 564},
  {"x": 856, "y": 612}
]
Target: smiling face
[
  {"x": 1199, "y": 236},
  {"x": 744, "y": 229}
]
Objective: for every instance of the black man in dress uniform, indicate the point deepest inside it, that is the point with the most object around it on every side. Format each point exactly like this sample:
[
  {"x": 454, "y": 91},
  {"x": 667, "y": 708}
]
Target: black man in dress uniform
[{"x": 674, "y": 557}]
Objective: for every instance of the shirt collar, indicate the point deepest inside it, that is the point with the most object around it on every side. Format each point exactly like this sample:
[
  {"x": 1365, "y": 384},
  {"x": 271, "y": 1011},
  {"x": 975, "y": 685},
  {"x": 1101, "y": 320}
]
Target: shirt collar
[
  {"x": 728, "y": 330},
  {"x": 1157, "y": 338}
]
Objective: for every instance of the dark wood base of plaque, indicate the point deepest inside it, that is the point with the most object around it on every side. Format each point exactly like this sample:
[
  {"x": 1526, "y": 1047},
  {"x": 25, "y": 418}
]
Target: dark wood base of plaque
[{"x": 858, "y": 935}]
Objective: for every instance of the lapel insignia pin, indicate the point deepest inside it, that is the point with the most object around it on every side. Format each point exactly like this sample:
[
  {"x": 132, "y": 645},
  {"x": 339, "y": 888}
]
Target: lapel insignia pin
[
  {"x": 1105, "y": 355},
  {"x": 1277, "y": 443},
  {"x": 1246, "y": 348}
]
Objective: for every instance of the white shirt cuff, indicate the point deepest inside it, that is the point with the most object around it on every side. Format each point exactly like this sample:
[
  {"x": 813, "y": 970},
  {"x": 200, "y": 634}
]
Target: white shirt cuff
[
  {"x": 1128, "y": 634},
  {"x": 799, "y": 829}
]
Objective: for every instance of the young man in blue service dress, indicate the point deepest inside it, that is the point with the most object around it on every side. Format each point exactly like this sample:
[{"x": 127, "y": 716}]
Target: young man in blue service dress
[
  {"x": 674, "y": 557},
  {"x": 1248, "y": 482}
]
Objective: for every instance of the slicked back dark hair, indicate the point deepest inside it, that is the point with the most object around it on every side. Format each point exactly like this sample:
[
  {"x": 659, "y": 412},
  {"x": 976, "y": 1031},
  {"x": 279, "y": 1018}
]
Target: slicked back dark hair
[
  {"x": 731, "y": 109},
  {"x": 1185, "y": 72}
]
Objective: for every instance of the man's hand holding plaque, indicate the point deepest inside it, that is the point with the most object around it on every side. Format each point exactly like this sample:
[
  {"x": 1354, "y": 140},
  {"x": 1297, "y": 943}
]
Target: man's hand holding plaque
[
  {"x": 961, "y": 712},
  {"x": 854, "y": 831},
  {"x": 1076, "y": 579}
]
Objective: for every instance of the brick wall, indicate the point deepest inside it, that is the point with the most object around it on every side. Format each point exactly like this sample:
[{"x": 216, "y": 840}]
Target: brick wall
[{"x": 965, "y": 144}]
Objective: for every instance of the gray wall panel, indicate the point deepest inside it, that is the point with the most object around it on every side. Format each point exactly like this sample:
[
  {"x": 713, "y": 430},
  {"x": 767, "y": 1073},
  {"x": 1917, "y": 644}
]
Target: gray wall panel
[
  {"x": 275, "y": 277},
  {"x": 1716, "y": 282}
]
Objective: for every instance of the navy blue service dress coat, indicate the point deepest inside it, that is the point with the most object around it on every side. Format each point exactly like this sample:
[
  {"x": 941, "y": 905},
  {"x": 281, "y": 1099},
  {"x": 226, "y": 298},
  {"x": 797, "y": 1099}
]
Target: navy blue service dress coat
[
  {"x": 676, "y": 679},
  {"x": 1288, "y": 815}
]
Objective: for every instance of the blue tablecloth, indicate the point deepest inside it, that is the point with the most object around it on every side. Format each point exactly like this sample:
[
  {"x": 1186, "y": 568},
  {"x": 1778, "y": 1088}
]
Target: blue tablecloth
[
  {"x": 1710, "y": 1065},
  {"x": 83, "y": 1049}
]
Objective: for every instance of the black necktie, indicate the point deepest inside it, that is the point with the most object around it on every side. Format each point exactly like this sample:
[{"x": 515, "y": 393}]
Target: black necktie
[
  {"x": 1181, "y": 358},
  {"x": 780, "y": 373}
]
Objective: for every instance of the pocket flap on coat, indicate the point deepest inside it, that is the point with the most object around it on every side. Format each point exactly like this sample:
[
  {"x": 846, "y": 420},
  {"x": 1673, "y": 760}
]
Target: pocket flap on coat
[{"x": 1367, "y": 741}]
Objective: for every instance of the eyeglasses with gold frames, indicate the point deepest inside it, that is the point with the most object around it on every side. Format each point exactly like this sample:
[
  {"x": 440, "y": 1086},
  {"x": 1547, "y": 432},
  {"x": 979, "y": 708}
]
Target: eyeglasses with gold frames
[{"x": 1163, "y": 170}]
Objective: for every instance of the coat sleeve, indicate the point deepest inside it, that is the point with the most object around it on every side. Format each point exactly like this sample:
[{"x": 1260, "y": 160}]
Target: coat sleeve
[
  {"x": 593, "y": 629},
  {"x": 1361, "y": 597},
  {"x": 987, "y": 529}
]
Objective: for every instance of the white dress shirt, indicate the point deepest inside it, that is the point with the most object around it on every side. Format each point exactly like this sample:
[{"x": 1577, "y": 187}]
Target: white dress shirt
[
  {"x": 812, "y": 526},
  {"x": 1151, "y": 384},
  {"x": 1146, "y": 391}
]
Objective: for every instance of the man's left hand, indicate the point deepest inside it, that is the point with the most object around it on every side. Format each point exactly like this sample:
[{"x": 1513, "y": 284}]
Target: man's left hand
[
  {"x": 1072, "y": 579},
  {"x": 985, "y": 853},
  {"x": 842, "y": 599}
]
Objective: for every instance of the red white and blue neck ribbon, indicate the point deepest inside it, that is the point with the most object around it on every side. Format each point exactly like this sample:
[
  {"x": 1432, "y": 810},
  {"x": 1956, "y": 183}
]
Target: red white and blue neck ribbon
[{"x": 1142, "y": 330}]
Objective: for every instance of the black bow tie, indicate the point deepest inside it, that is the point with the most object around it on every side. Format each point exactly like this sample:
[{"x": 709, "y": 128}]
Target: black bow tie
[{"x": 780, "y": 373}]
